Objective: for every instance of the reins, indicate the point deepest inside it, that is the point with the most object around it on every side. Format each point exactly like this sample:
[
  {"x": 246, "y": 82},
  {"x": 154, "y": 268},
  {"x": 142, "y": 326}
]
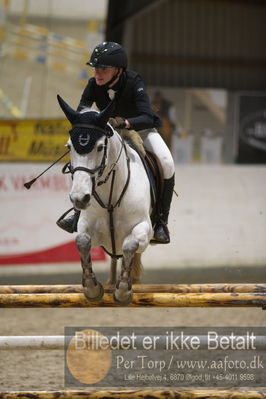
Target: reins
[{"x": 110, "y": 207}]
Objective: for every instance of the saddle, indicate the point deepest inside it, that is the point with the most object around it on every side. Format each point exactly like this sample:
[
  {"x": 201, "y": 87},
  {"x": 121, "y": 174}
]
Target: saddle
[{"x": 153, "y": 169}]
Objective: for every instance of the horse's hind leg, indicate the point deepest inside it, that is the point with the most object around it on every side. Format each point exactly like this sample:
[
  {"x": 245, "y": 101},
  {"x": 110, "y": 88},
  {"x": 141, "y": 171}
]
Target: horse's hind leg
[
  {"x": 113, "y": 269},
  {"x": 93, "y": 290},
  {"x": 137, "y": 268}
]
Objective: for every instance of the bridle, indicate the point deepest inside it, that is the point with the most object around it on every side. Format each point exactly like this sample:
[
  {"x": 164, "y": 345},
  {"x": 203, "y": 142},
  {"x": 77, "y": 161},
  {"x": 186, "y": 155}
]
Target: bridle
[
  {"x": 68, "y": 168},
  {"x": 101, "y": 168}
]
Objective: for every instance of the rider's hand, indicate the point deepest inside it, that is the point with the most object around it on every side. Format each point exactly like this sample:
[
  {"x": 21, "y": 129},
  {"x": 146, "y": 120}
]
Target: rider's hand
[{"x": 119, "y": 123}]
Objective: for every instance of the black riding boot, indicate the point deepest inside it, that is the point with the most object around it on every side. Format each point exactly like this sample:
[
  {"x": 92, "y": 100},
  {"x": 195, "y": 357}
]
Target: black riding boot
[
  {"x": 161, "y": 232},
  {"x": 69, "y": 223}
]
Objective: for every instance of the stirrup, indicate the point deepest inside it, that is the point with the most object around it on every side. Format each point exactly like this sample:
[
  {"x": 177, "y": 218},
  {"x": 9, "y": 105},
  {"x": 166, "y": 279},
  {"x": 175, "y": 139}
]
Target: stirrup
[
  {"x": 161, "y": 234},
  {"x": 68, "y": 225}
]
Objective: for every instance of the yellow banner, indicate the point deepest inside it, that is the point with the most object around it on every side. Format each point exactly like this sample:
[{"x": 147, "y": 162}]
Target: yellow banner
[{"x": 33, "y": 140}]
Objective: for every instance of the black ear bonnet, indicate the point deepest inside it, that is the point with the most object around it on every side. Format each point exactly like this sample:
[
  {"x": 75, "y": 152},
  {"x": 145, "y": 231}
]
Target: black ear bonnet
[
  {"x": 86, "y": 132},
  {"x": 87, "y": 127}
]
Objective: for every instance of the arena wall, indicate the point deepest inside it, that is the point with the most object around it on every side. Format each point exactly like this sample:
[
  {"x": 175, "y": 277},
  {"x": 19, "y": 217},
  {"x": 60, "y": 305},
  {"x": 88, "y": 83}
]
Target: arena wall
[{"x": 218, "y": 218}]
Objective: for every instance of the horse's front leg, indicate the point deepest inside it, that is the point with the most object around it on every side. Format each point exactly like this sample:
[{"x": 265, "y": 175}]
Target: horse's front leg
[
  {"x": 137, "y": 240},
  {"x": 93, "y": 290}
]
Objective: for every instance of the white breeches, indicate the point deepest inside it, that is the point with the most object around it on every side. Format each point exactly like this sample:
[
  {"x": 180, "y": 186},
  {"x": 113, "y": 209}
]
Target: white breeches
[{"x": 154, "y": 143}]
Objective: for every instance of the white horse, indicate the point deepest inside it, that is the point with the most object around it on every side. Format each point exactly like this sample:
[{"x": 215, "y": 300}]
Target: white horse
[{"x": 111, "y": 189}]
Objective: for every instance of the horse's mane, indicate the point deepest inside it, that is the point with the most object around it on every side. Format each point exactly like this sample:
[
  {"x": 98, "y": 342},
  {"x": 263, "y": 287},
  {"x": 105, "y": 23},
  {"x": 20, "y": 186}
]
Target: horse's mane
[{"x": 87, "y": 109}]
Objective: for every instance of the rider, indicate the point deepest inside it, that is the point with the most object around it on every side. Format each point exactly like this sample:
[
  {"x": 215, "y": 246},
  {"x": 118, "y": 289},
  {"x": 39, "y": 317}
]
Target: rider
[{"x": 111, "y": 80}]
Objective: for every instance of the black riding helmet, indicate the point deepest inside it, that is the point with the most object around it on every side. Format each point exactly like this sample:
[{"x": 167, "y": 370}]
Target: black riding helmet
[{"x": 108, "y": 54}]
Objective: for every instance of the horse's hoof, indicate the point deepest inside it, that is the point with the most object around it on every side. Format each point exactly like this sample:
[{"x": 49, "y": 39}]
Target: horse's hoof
[
  {"x": 121, "y": 295},
  {"x": 92, "y": 292}
]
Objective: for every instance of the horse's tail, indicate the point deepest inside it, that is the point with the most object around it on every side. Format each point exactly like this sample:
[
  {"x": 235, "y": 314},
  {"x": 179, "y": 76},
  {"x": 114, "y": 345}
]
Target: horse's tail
[{"x": 137, "y": 268}]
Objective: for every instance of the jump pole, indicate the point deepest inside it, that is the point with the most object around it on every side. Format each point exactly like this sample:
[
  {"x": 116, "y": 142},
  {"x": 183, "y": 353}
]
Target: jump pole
[
  {"x": 144, "y": 288},
  {"x": 40, "y": 342},
  {"x": 137, "y": 394},
  {"x": 60, "y": 342},
  {"x": 155, "y": 299}
]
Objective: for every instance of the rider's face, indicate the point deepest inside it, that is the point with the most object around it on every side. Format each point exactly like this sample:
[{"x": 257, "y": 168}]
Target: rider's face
[{"x": 104, "y": 75}]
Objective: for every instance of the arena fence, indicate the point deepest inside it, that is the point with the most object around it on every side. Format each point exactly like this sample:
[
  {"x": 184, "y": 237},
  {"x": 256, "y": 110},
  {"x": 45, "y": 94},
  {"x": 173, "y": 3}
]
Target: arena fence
[{"x": 150, "y": 295}]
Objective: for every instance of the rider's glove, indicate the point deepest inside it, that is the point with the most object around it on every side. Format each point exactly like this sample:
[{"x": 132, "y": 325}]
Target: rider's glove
[{"x": 117, "y": 122}]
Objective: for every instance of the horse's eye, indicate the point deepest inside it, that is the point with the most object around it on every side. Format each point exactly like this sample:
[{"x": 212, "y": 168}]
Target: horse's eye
[{"x": 100, "y": 147}]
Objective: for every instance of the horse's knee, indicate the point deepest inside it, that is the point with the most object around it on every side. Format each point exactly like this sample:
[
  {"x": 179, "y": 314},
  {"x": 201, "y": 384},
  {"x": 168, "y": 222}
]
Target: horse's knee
[
  {"x": 83, "y": 243},
  {"x": 130, "y": 246},
  {"x": 142, "y": 233}
]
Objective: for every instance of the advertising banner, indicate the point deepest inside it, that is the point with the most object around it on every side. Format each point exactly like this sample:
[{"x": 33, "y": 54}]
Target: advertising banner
[
  {"x": 28, "y": 231},
  {"x": 33, "y": 140}
]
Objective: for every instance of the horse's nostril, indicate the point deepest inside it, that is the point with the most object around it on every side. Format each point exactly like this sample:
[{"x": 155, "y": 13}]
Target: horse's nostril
[{"x": 86, "y": 198}]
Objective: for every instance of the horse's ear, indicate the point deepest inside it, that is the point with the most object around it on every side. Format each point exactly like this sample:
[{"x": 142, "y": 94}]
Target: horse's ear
[
  {"x": 105, "y": 114},
  {"x": 70, "y": 113}
]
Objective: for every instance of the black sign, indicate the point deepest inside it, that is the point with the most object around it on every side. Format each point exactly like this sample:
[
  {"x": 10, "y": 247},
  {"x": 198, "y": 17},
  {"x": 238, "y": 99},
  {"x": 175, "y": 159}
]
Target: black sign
[{"x": 252, "y": 129}]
